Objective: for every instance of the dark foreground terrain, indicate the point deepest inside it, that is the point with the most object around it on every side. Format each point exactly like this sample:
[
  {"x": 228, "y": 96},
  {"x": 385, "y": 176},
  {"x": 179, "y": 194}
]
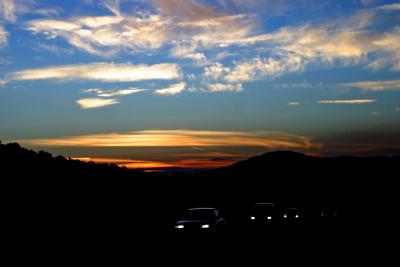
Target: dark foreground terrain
[{"x": 56, "y": 206}]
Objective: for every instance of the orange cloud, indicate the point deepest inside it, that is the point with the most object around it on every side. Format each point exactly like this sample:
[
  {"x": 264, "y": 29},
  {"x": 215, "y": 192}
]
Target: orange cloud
[{"x": 182, "y": 138}]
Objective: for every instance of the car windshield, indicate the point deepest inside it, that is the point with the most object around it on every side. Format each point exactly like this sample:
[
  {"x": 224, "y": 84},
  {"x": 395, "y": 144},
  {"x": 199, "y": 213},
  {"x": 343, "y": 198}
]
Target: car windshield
[{"x": 200, "y": 214}]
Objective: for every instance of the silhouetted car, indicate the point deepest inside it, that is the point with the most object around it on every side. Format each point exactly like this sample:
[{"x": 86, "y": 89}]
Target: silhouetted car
[
  {"x": 263, "y": 214},
  {"x": 201, "y": 219},
  {"x": 328, "y": 215},
  {"x": 292, "y": 216}
]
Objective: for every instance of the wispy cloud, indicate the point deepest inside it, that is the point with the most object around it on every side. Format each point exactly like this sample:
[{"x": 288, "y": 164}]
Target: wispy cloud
[
  {"x": 348, "y": 102},
  {"x": 173, "y": 89},
  {"x": 390, "y": 7},
  {"x": 113, "y": 93},
  {"x": 375, "y": 85},
  {"x": 182, "y": 138},
  {"x": 90, "y": 103},
  {"x": 10, "y": 9},
  {"x": 3, "y": 36},
  {"x": 196, "y": 26},
  {"x": 105, "y": 72}
]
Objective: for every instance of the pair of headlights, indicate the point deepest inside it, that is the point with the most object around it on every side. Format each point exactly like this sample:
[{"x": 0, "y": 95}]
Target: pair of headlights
[
  {"x": 253, "y": 218},
  {"x": 285, "y": 216},
  {"x": 204, "y": 226}
]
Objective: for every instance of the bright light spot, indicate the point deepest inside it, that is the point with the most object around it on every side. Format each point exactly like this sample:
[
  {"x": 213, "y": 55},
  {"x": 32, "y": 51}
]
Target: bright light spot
[
  {"x": 269, "y": 218},
  {"x": 285, "y": 216},
  {"x": 297, "y": 216},
  {"x": 252, "y": 218},
  {"x": 179, "y": 226},
  {"x": 205, "y": 226}
]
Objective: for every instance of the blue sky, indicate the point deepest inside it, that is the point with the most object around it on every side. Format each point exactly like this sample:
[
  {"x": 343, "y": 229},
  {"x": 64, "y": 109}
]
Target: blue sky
[{"x": 186, "y": 82}]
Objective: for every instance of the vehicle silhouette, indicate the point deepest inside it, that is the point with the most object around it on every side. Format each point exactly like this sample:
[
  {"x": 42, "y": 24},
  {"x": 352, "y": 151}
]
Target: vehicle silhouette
[
  {"x": 201, "y": 220},
  {"x": 328, "y": 216},
  {"x": 262, "y": 214},
  {"x": 292, "y": 216}
]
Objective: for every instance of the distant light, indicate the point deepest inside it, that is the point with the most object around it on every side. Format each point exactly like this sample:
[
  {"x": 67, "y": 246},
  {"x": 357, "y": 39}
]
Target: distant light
[
  {"x": 179, "y": 226},
  {"x": 205, "y": 226},
  {"x": 269, "y": 218},
  {"x": 252, "y": 218},
  {"x": 297, "y": 216},
  {"x": 285, "y": 216}
]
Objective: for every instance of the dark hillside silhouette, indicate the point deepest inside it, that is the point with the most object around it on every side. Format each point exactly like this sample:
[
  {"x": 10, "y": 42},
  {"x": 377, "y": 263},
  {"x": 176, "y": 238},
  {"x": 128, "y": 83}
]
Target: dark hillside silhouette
[{"x": 54, "y": 197}]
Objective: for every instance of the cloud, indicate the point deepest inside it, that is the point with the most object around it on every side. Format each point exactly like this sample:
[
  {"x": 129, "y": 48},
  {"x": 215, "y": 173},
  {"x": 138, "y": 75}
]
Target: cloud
[
  {"x": 294, "y": 104},
  {"x": 261, "y": 68},
  {"x": 216, "y": 71},
  {"x": 105, "y": 72},
  {"x": 348, "y": 102},
  {"x": 174, "y": 89},
  {"x": 220, "y": 87},
  {"x": 188, "y": 25},
  {"x": 3, "y": 36},
  {"x": 189, "y": 9},
  {"x": 10, "y": 9},
  {"x": 182, "y": 138},
  {"x": 375, "y": 85},
  {"x": 113, "y": 93},
  {"x": 390, "y": 7},
  {"x": 90, "y": 103}
]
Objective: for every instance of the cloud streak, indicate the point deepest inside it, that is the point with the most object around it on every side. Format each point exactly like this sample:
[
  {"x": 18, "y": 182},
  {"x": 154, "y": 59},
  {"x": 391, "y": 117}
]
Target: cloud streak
[
  {"x": 91, "y": 103},
  {"x": 182, "y": 138},
  {"x": 113, "y": 93},
  {"x": 375, "y": 85},
  {"x": 105, "y": 72},
  {"x": 3, "y": 36},
  {"x": 348, "y": 102},
  {"x": 173, "y": 89}
]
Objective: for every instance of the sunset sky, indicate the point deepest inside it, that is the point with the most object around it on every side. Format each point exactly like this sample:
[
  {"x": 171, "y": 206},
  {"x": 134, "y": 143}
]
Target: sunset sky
[{"x": 200, "y": 83}]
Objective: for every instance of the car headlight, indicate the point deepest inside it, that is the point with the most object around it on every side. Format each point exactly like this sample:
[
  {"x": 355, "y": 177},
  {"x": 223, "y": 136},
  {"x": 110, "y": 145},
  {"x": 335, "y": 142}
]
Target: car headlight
[
  {"x": 285, "y": 216},
  {"x": 205, "y": 226},
  {"x": 180, "y": 227},
  {"x": 252, "y": 218},
  {"x": 269, "y": 218},
  {"x": 297, "y": 216}
]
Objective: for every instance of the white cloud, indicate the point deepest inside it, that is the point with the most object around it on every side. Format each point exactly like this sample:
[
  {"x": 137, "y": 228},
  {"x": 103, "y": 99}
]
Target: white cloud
[
  {"x": 2, "y": 82},
  {"x": 105, "y": 72},
  {"x": 375, "y": 85},
  {"x": 90, "y": 103},
  {"x": 187, "y": 24},
  {"x": 10, "y": 9},
  {"x": 171, "y": 90},
  {"x": 113, "y": 93},
  {"x": 216, "y": 71},
  {"x": 261, "y": 68},
  {"x": 3, "y": 36},
  {"x": 348, "y": 102},
  {"x": 220, "y": 87},
  {"x": 294, "y": 104},
  {"x": 394, "y": 6}
]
